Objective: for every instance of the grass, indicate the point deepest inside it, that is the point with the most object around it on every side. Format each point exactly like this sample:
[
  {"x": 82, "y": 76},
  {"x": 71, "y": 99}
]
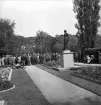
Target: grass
[{"x": 25, "y": 91}]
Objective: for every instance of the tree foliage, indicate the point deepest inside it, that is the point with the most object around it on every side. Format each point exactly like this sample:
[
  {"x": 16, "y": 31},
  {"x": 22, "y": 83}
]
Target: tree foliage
[
  {"x": 43, "y": 42},
  {"x": 87, "y": 14},
  {"x": 73, "y": 43},
  {"x": 6, "y": 32},
  {"x": 98, "y": 41},
  {"x": 46, "y": 43},
  {"x": 58, "y": 44},
  {"x": 7, "y": 27}
]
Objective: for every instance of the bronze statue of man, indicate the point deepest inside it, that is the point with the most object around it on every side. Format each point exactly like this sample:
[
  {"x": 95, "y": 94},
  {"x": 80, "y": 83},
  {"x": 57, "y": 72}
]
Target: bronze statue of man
[{"x": 66, "y": 39}]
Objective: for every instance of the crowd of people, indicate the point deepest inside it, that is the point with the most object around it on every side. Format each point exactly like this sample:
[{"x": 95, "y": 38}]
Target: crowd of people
[
  {"x": 88, "y": 58},
  {"x": 36, "y": 58},
  {"x": 27, "y": 59}
]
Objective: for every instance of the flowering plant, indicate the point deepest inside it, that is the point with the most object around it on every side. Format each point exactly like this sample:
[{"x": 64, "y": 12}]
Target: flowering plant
[
  {"x": 4, "y": 73},
  {"x": 93, "y": 72}
]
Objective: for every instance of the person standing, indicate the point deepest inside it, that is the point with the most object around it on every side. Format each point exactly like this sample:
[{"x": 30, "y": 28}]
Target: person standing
[
  {"x": 99, "y": 56},
  {"x": 2, "y": 60},
  {"x": 29, "y": 59}
]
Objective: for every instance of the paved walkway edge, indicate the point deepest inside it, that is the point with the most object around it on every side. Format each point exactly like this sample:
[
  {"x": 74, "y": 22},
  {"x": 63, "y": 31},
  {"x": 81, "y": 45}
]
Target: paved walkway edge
[
  {"x": 90, "y": 86},
  {"x": 85, "y": 64}
]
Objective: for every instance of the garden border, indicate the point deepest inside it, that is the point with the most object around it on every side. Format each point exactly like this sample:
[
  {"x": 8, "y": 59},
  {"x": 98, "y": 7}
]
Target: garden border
[
  {"x": 10, "y": 75},
  {"x": 8, "y": 89}
]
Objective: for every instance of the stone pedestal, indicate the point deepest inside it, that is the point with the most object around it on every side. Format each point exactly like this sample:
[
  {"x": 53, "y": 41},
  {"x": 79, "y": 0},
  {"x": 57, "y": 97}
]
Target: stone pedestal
[{"x": 67, "y": 59}]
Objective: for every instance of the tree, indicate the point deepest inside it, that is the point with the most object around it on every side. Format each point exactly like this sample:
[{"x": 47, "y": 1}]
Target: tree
[
  {"x": 73, "y": 43},
  {"x": 43, "y": 42},
  {"x": 87, "y": 14},
  {"x": 6, "y": 32},
  {"x": 2, "y": 39},
  {"x": 98, "y": 41},
  {"x": 59, "y": 43},
  {"x": 7, "y": 27},
  {"x": 58, "y": 47}
]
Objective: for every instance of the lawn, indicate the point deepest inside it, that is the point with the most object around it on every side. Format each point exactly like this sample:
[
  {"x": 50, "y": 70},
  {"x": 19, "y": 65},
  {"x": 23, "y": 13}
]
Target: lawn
[{"x": 25, "y": 91}]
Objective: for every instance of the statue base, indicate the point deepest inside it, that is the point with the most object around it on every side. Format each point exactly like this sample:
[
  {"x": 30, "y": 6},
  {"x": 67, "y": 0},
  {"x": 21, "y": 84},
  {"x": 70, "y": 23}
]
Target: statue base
[{"x": 67, "y": 59}]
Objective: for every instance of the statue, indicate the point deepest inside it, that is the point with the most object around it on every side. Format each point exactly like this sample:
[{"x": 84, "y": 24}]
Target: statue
[{"x": 66, "y": 39}]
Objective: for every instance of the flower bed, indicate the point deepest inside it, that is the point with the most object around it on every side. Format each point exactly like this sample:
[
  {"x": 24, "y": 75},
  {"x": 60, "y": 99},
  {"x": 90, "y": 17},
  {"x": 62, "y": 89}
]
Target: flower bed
[
  {"x": 89, "y": 73},
  {"x": 4, "y": 73},
  {"x": 5, "y": 85},
  {"x": 51, "y": 64},
  {"x": 5, "y": 76}
]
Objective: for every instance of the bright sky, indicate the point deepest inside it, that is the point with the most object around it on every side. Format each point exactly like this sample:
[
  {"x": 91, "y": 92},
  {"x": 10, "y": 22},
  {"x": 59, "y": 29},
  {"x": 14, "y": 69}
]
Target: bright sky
[{"x": 51, "y": 16}]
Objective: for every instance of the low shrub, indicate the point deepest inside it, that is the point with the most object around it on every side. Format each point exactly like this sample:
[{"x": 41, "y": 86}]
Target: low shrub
[
  {"x": 4, "y": 85},
  {"x": 52, "y": 63}
]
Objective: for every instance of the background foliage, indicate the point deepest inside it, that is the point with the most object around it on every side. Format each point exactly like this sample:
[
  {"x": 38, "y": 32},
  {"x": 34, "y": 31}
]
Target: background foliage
[
  {"x": 41, "y": 43},
  {"x": 87, "y": 14}
]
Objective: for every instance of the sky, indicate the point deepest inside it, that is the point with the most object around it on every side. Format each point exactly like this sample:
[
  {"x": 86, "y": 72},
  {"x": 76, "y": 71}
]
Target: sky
[{"x": 51, "y": 16}]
